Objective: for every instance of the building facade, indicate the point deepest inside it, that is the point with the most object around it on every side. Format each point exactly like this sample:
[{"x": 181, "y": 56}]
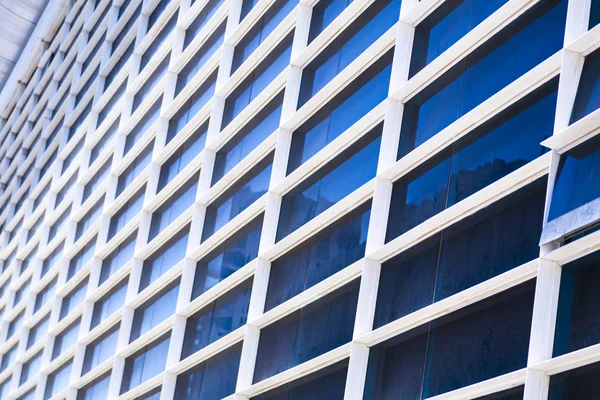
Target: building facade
[{"x": 303, "y": 199}]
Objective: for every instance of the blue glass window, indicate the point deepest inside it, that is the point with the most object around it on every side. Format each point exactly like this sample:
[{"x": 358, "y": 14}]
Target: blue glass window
[
  {"x": 100, "y": 349},
  {"x": 576, "y": 384},
  {"x": 96, "y": 180},
  {"x": 9, "y": 357},
  {"x": 96, "y": 389},
  {"x": 247, "y": 6},
  {"x": 445, "y": 26},
  {"x": 216, "y": 320},
  {"x": 65, "y": 339},
  {"x": 323, "y": 14},
  {"x": 44, "y": 295},
  {"x": 110, "y": 77},
  {"x": 533, "y": 37},
  {"x": 142, "y": 126},
  {"x": 122, "y": 217},
  {"x": 105, "y": 306},
  {"x": 476, "y": 343},
  {"x": 89, "y": 218},
  {"x": 200, "y": 22},
  {"x": 15, "y": 324},
  {"x": 347, "y": 172},
  {"x": 578, "y": 319},
  {"x": 81, "y": 258},
  {"x": 73, "y": 298},
  {"x": 115, "y": 260},
  {"x": 30, "y": 368},
  {"x": 492, "y": 241},
  {"x": 38, "y": 331},
  {"x": 191, "y": 107},
  {"x": 588, "y": 92},
  {"x": 594, "y": 14},
  {"x": 79, "y": 120},
  {"x": 270, "y": 67},
  {"x": 182, "y": 156},
  {"x": 203, "y": 54},
  {"x": 24, "y": 289},
  {"x": 355, "y": 39},
  {"x": 248, "y": 138},
  {"x": 239, "y": 197},
  {"x": 84, "y": 89},
  {"x": 510, "y": 394},
  {"x": 164, "y": 258},
  {"x": 145, "y": 364},
  {"x": 344, "y": 110},
  {"x": 488, "y": 153},
  {"x": 58, "y": 380},
  {"x": 159, "y": 40},
  {"x": 157, "y": 12},
  {"x": 103, "y": 142},
  {"x": 128, "y": 27},
  {"x": 330, "y": 251},
  {"x": 155, "y": 310},
  {"x": 150, "y": 82},
  {"x": 215, "y": 378},
  {"x": 231, "y": 255},
  {"x": 59, "y": 224},
  {"x": 153, "y": 394},
  {"x": 577, "y": 180},
  {"x": 307, "y": 333},
  {"x": 261, "y": 30},
  {"x": 326, "y": 384},
  {"x": 135, "y": 168},
  {"x": 175, "y": 205}
]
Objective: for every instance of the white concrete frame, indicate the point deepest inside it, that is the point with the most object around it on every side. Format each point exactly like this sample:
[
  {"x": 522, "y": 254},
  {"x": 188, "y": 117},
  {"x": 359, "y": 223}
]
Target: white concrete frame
[{"x": 24, "y": 117}]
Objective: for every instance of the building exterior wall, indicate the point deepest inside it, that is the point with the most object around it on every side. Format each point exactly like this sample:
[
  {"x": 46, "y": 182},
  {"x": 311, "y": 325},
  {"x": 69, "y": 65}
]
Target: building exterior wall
[{"x": 303, "y": 199}]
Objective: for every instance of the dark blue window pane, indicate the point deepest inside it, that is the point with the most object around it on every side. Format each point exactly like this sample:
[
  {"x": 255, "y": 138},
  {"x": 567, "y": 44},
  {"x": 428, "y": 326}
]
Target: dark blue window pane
[
  {"x": 97, "y": 389},
  {"x": 236, "y": 199},
  {"x": 58, "y": 380},
  {"x": 479, "y": 342},
  {"x": 157, "y": 12},
  {"x": 576, "y": 384},
  {"x": 487, "y": 244},
  {"x": 100, "y": 349},
  {"x": 164, "y": 258},
  {"x": 511, "y": 394},
  {"x": 522, "y": 45},
  {"x": 106, "y": 138},
  {"x": 318, "y": 258},
  {"x": 200, "y": 58},
  {"x": 159, "y": 40},
  {"x": 578, "y": 319},
  {"x": 126, "y": 213},
  {"x": 362, "y": 33},
  {"x": 248, "y": 138},
  {"x": 445, "y": 26},
  {"x": 145, "y": 364},
  {"x": 337, "y": 179},
  {"x": 133, "y": 19},
  {"x": 176, "y": 205},
  {"x": 228, "y": 257},
  {"x": 135, "y": 168},
  {"x": 577, "y": 180},
  {"x": 191, "y": 107},
  {"x": 214, "y": 379},
  {"x": 109, "y": 303},
  {"x": 216, "y": 320},
  {"x": 323, "y": 13},
  {"x": 488, "y": 153},
  {"x": 307, "y": 333},
  {"x": 261, "y": 30},
  {"x": 65, "y": 339},
  {"x": 588, "y": 92},
  {"x": 258, "y": 80},
  {"x": 142, "y": 126},
  {"x": 326, "y": 384},
  {"x": 594, "y": 14},
  {"x": 344, "y": 110},
  {"x": 247, "y": 6},
  {"x": 72, "y": 299},
  {"x": 150, "y": 82},
  {"x": 95, "y": 181},
  {"x": 205, "y": 15},
  {"x": 81, "y": 258},
  {"x": 154, "y": 311},
  {"x": 182, "y": 156},
  {"x": 118, "y": 258}
]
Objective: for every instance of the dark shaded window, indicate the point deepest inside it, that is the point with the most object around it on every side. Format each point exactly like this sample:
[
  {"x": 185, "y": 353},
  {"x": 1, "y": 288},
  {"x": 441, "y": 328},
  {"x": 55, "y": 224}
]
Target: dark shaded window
[
  {"x": 323, "y": 14},
  {"x": 135, "y": 168},
  {"x": 96, "y": 389},
  {"x": 164, "y": 258},
  {"x": 176, "y": 205},
  {"x": 337, "y": 179},
  {"x": 155, "y": 310},
  {"x": 491, "y": 151},
  {"x": 307, "y": 333},
  {"x": 594, "y": 14},
  {"x": 105, "y": 306},
  {"x": 588, "y": 92},
  {"x": 66, "y": 339},
  {"x": 492, "y": 241},
  {"x": 182, "y": 156},
  {"x": 122, "y": 217},
  {"x": 533, "y": 37},
  {"x": 143, "y": 125},
  {"x": 576, "y": 384},
  {"x": 215, "y": 378},
  {"x": 145, "y": 364},
  {"x": 200, "y": 22},
  {"x": 150, "y": 82},
  {"x": 480, "y": 342},
  {"x": 216, "y": 320},
  {"x": 118, "y": 258},
  {"x": 231, "y": 255},
  {"x": 58, "y": 380},
  {"x": 100, "y": 349},
  {"x": 164, "y": 33},
  {"x": 321, "y": 256}
]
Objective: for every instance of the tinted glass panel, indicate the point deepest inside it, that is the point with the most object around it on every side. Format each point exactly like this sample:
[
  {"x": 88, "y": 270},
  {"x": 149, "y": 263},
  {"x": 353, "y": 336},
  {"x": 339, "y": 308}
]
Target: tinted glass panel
[{"x": 588, "y": 92}]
